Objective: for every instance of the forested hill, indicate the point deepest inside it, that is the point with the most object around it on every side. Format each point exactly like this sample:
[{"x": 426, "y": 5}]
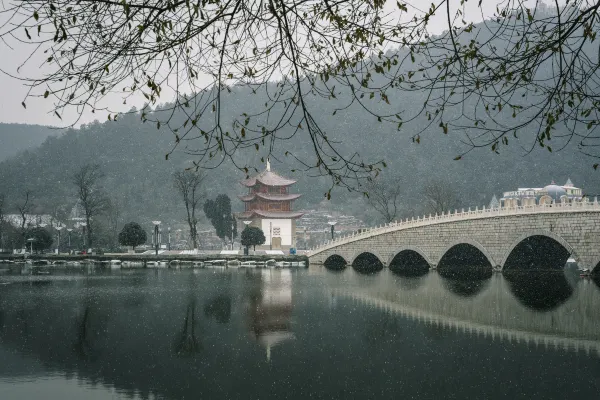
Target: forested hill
[
  {"x": 132, "y": 155},
  {"x": 15, "y": 138},
  {"x": 139, "y": 178}
]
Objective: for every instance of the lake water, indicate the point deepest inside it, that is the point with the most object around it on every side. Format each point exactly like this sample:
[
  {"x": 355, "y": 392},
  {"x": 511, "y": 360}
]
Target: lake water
[{"x": 296, "y": 334}]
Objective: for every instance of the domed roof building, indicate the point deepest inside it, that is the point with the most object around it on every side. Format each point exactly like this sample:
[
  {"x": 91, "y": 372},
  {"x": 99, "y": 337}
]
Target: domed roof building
[
  {"x": 549, "y": 194},
  {"x": 554, "y": 191}
]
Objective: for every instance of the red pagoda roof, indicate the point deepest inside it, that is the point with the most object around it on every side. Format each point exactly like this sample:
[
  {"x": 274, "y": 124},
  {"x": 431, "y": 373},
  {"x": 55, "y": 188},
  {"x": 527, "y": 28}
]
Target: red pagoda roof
[
  {"x": 269, "y": 196},
  {"x": 270, "y": 214},
  {"x": 268, "y": 178}
]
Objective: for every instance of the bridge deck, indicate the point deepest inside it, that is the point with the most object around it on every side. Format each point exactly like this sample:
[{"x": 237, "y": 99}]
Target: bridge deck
[{"x": 462, "y": 215}]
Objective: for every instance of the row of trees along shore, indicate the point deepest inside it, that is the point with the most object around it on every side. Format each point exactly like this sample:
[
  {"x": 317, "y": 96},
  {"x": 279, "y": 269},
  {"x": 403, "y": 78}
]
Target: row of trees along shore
[{"x": 96, "y": 207}]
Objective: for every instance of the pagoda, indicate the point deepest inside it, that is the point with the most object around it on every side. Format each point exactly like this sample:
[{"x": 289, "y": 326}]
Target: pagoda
[{"x": 269, "y": 206}]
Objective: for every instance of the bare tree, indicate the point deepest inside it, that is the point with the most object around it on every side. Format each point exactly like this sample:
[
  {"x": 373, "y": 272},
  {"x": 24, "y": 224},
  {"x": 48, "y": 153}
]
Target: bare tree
[
  {"x": 24, "y": 208},
  {"x": 383, "y": 196},
  {"x": 91, "y": 196},
  {"x": 440, "y": 197},
  {"x": 188, "y": 183}
]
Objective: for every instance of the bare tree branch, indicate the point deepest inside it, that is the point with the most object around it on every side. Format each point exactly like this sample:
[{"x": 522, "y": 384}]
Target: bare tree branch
[
  {"x": 189, "y": 184},
  {"x": 92, "y": 197},
  {"x": 24, "y": 208},
  {"x": 440, "y": 197},
  {"x": 383, "y": 197}
]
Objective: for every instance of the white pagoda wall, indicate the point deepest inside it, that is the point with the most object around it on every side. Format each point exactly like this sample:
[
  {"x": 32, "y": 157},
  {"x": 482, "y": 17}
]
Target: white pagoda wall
[{"x": 286, "y": 226}]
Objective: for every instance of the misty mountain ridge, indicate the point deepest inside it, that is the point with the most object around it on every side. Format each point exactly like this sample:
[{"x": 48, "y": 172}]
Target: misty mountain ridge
[{"x": 15, "y": 138}]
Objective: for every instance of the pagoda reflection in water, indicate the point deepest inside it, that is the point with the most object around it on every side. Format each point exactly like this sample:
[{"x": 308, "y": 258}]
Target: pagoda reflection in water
[{"x": 270, "y": 308}]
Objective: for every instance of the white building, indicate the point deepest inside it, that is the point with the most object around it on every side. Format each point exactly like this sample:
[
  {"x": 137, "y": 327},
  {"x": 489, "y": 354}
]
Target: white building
[{"x": 549, "y": 194}]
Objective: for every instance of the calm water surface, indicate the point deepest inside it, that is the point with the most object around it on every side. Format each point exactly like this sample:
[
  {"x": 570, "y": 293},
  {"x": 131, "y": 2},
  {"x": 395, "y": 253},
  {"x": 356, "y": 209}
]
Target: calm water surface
[{"x": 173, "y": 334}]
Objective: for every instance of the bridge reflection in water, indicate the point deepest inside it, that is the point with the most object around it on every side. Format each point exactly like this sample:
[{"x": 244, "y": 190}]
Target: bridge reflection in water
[
  {"x": 313, "y": 333},
  {"x": 541, "y": 307}
]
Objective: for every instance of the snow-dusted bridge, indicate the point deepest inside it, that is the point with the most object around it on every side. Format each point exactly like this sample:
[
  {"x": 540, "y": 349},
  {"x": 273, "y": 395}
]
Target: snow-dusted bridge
[{"x": 494, "y": 232}]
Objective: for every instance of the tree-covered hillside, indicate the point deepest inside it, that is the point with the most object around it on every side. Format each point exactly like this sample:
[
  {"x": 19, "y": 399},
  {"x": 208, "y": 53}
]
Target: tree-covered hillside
[{"x": 139, "y": 178}]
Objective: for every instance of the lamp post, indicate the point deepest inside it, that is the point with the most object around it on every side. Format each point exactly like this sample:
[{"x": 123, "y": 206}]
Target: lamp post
[
  {"x": 332, "y": 224},
  {"x": 169, "y": 230},
  {"x": 58, "y": 228},
  {"x": 69, "y": 230},
  {"x": 156, "y": 238},
  {"x": 31, "y": 240},
  {"x": 246, "y": 223},
  {"x": 232, "y": 229}
]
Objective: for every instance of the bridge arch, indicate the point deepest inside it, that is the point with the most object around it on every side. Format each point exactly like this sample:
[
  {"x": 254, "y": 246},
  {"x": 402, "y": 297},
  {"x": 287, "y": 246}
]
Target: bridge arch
[
  {"x": 408, "y": 248},
  {"x": 545, "y": 233},
  {"x": 470, "y": 242},
  {"x": 595, "y": 268},
  {"x": 335, "y": 262},
  {"x": 367, "y": 261},
  {"x": 358, "y": 253}
]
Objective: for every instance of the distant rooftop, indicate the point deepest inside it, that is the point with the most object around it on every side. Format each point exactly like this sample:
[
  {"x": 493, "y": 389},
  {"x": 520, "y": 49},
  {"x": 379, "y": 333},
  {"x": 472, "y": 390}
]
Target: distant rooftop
[{"x": 268, "y": 178}]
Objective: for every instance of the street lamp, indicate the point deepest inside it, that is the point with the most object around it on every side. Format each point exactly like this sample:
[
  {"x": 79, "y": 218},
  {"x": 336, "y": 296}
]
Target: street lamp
[
  {"x": 156, "y": 238},
  {"x": 169, "y": 230},
  {"x": 31, "y": 240},
  {"x": 231, "y": 231},
  {"x": 246, "y": 223},
  {"x": 332, "y": 223},
  {"x": 232, "y": 228},
  {"x": 58, "y": 228}
]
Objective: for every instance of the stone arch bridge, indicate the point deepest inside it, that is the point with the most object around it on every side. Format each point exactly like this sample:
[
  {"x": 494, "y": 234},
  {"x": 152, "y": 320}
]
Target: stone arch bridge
[{"x": 494, "y": 232}]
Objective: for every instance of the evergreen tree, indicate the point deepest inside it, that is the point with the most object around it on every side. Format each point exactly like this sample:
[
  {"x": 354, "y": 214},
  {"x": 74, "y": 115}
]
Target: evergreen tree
[
  {"x": 132, "y": 235},
  {"x": 218, "y": 211},
  {"x": 253, "y": 236},
  {"x": 42, "y": 239}
]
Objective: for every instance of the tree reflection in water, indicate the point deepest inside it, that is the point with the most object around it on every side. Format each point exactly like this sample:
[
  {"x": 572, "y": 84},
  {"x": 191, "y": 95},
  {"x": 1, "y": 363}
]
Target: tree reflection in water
[
  {"x": 219, "y": 307},
  {"x": 82, "y": 345},
  {"x": 186, "y": 343},
  {"x": 539, "y": 290}
]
